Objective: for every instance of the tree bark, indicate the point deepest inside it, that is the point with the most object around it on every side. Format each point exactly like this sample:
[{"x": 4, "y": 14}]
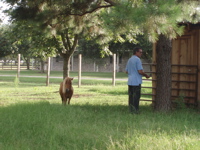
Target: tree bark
[
  {"x": 70, "y": 48},
  {"x": 66, "y": 65},
  {"x": 27, "y": 63},
  {"x": 163, "y": 73},
  {"x": 42, "y": 66}
]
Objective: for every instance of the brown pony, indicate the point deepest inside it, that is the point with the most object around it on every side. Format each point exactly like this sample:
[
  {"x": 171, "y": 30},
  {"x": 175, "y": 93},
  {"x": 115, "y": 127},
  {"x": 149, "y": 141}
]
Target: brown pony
[{"x": 66, "y": 90}]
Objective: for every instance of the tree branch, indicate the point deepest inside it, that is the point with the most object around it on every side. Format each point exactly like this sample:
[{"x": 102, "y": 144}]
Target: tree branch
[
  {"x": 68, "y": 40},
  {"x": 91, "y": 11},
  {"x": 67, "y": 47},
  {"x": 75, "y": 41},
  {"x": 110, "y": 2}
]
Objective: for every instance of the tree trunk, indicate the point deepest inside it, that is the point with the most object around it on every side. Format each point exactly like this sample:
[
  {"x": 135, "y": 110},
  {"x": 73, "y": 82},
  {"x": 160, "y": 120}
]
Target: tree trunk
[
  {"x": 27, "y": 63},
  {"x": 42, "y": 66},
  {"x": 66, "y": 65},
  {"x": 163, "y": 73},
  {"x": 70, "y": 48}
]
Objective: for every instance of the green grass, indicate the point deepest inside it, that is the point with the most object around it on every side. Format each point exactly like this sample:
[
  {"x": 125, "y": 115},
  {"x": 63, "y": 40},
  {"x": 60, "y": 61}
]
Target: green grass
[
  {"x": 32, "y": 117},
  {"x": 120, "y": 75}
]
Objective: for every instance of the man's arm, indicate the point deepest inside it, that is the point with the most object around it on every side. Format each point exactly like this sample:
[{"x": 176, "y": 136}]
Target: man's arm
[{"x": 143, "y": 73}]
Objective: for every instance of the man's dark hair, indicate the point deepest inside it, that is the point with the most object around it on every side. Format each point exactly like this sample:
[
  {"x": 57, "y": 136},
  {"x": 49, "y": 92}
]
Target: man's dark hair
[{"x": 136, "y": 49}]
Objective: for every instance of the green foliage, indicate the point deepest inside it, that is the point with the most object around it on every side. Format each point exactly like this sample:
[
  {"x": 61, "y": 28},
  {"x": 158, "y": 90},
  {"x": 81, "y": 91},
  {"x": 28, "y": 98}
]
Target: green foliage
[
  {"x": 93, "y": 48},
  {"x": 5, "y": 42},
  {"x": 179, "y": 103},
  {"x": 90, "y": 48},
  {"x": 150, "y": 18},
  {"x": 190, "y": 11},
  {"x": 141, "y": 41}
]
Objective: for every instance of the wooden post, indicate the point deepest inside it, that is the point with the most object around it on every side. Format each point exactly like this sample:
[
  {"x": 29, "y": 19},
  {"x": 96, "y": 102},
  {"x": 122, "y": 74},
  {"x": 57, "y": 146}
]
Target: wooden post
[
  {"x": 79, "y": 70},
  {"x": 72, "y": 63},
  {"x": 154, "y": 74},
  {"x": 117, "y": 66},
  {"x": 198, "y": 76},
  {"x": 48, "y": 71},
  {"x": 94, "y": 66},
  {"x": 18, "y": 66},
  {"x": 114, "y": 69}
]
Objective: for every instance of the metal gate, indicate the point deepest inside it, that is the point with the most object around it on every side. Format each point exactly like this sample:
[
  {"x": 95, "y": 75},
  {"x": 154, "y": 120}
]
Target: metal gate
[{"x": 184, "y": 84}]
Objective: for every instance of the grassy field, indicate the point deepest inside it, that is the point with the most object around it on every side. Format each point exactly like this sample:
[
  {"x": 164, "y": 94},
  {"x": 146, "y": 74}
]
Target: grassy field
[
  {"x": 32, "y": 117},
  {"x": 119, "y": 75}
]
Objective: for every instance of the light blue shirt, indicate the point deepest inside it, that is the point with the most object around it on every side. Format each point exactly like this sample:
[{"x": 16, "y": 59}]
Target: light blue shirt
[{"x": 133, "y": 65}]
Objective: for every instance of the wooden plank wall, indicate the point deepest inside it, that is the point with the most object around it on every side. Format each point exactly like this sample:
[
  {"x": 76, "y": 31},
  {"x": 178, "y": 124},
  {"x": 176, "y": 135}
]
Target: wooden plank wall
[
  {"x": 198, "y": 58},
  {"x": 185, "y": 64}
]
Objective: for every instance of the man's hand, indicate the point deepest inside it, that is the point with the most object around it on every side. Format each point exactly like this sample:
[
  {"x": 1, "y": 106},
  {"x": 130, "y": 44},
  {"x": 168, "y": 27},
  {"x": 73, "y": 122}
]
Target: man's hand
[
  {"x": 143, "y": 73},
  {"x": 147, "y": 76}
]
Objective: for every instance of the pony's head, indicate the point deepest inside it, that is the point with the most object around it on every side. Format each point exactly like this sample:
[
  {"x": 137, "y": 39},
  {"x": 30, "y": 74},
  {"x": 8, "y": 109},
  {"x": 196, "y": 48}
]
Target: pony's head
[{"x": 67, "y": 84}]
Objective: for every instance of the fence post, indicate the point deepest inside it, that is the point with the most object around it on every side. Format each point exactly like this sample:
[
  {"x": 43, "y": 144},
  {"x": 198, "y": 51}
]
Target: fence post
[
  {"x": 79, "y": 70},
  {"x": 117, "y": 64},
  {"x": 72, "y": 63},
  {"x": 114, "y": 69},
  {"x": 18, "y": 66},
  {"x": 48, "y": 71}
]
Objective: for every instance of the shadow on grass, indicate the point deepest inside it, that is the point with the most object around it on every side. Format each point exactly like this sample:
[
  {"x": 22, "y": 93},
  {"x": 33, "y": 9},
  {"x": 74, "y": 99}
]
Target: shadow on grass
[
  {"x": 53, "y": 126},
  {"x": 103, "y": 108},
  {"x": 146, "y": 109},
  {"x": 110, "y": 92}
]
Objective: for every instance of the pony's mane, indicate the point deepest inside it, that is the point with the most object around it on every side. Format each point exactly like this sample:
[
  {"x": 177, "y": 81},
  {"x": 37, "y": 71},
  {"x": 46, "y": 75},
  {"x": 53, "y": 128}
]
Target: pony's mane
[{"x": 66, "y": 80}]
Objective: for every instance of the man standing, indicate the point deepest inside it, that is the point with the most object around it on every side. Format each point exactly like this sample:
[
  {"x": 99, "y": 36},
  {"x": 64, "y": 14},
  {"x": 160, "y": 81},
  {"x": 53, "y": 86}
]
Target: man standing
[{"x": 135, "y": 72}]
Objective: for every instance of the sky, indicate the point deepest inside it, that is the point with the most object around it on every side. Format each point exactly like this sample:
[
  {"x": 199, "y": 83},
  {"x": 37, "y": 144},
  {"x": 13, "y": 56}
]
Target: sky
[{"x": 3, "y": 17}]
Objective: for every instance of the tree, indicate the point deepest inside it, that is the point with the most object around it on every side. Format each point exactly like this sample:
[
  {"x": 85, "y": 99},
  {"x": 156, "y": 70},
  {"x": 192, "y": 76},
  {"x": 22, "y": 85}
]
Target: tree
[
  {"x": 163, "y": 74},
  {"x": 23, "y": 39},
  {"x": 158, "y": 20},
  {"x": 66, "y": 21},
  {"x": 93, "y": 50},
  {"x": 139, "y": 41},
  {"x": 5, "y": 42}
]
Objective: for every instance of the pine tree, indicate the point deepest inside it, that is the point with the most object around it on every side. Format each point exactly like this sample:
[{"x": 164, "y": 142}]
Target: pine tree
[{"x": 158, "y": 20}]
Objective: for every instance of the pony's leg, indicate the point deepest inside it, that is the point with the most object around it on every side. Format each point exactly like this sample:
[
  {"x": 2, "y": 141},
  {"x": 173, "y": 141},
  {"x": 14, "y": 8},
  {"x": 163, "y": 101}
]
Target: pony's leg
[
  {"x": 69, "y": 100},
  {"x": 64, "y": 100}
]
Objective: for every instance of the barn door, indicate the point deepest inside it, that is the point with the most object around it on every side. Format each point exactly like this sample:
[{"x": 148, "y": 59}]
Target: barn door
[{"x": 184, "y": 69}]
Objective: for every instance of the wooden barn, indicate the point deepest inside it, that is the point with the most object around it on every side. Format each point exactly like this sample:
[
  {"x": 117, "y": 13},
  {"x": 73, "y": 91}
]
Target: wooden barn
[{"x": 185, "y": 70}]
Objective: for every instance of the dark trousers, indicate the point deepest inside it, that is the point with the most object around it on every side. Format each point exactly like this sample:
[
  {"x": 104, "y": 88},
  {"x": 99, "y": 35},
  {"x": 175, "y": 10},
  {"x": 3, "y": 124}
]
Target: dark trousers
[{"x": 134, "y": 93}]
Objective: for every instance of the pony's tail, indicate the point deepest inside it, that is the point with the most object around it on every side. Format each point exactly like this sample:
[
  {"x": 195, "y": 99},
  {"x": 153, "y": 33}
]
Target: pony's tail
[{"x": 64, "y": 87}]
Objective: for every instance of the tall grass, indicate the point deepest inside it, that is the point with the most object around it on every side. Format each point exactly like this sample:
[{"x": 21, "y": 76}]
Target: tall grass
[{"x": 32, "y": 117}]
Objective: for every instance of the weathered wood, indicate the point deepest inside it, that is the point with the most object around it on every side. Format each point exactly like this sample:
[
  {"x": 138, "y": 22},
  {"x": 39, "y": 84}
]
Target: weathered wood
[
  {"x": 79, "y": 70},
  {"x": 48, "y": 71},
  {"x": 153, "y": 74},
  {"x": 114, "y": 69},
  {"x": 198, "y": 71},
  {"x": 185, "y": 70},
  {"x": 18, "y": 66}
]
